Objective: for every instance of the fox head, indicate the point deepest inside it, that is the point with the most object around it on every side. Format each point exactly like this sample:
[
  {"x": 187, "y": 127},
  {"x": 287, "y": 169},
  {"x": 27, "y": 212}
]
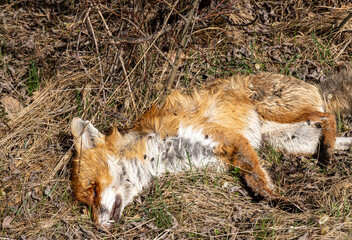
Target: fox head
[{"x": 96, "y": 175}]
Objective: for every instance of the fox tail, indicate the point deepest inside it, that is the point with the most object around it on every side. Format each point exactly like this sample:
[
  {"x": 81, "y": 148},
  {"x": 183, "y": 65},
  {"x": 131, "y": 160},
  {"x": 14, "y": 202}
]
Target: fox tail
[{"x": 336, "y": 91}]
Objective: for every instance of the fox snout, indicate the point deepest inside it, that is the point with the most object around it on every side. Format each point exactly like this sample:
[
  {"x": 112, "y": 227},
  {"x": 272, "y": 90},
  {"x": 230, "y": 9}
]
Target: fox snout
[
  {"x": 106, "y": 216},
  {"x": 116, "y": 208}
]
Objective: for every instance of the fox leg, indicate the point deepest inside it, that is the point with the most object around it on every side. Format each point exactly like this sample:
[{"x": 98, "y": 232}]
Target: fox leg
[
  {"x": 253, "y": 175},
  {"x": 236, "y": 150},
  {"x": 239, "y": 153},
  {"x": 309, "y": 133},
  {"x": 327, "y": 140},
  {"x": 242, "y": 155}
]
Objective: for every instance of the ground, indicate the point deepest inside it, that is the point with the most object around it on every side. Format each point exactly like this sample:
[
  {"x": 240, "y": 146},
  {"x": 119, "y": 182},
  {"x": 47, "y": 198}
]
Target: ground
[{"x": 109, "y": 61}]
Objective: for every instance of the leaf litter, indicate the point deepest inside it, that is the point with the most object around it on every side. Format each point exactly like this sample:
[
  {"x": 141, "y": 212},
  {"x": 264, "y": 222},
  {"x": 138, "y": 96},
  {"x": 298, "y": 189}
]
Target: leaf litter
[{"x": 77, "y": 47}]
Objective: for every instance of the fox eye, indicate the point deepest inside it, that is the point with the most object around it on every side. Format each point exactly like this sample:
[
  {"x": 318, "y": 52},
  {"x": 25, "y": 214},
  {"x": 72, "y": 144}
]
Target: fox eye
[
  {"x": 94, "y": 191},
  {"x": 92, "y": 188}
]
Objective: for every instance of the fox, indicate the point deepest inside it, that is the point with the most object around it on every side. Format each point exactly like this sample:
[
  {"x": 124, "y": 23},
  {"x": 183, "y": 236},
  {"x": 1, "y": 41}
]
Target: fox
[{"x": 221, "y": 125}]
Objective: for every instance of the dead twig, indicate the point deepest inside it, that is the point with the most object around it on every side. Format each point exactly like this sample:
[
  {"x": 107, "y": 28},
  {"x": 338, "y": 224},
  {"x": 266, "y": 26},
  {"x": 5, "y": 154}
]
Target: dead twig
[
  {"x": 90, "y": 27},
  {"x": 181, "y": 46},
  {"x": 77, "y": 52},
  {"x": 149, "y": 37},
  {"x": 343, "y": 23},
  {"x": 128, "y": 82},
  {"x": 62, "y": 162},
  {"x": 140, "y": 60}
]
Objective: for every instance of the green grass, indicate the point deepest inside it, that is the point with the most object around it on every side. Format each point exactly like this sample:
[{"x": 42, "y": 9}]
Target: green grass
[
  {"x": 159, "y": 210},
  {"x": 194, "y": 236},
  {"x": 189, "y": 161},
  {"x": 271, "y": 154},
  {"x": 341, "y": 127},
  {"x": 33, "y": 81},
  {"x": 341, "y": 209},
  {"x": 236, "y": 173},
  {"x": 285, "y": 69},
  {"x": 322, "y": 51},
  {"x": 263, "y": 228}
]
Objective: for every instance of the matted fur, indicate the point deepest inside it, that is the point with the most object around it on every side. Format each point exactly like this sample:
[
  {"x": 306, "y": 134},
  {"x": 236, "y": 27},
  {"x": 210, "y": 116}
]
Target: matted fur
[{"x": 219, "y": 126}]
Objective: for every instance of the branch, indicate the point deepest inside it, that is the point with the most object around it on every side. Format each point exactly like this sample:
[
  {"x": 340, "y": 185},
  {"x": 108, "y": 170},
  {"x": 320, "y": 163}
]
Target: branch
[
  {"x": 181, "y": 46},
  {"x": 149, "y": 37},
  {"x": 343, "y": 23}
]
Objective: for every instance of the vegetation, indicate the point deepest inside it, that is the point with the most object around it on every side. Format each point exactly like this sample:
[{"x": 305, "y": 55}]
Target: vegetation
[{"x": 109, "y": 61}]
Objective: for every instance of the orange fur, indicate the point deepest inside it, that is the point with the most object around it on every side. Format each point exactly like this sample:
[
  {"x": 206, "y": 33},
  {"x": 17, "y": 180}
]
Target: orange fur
[
  {"x": 89, "y": 176},
  {"x": 222, "y": 112}
]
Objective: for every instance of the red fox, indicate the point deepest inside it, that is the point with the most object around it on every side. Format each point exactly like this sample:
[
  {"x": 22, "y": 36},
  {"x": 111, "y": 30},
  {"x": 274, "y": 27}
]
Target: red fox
[{"x": 219, "y": 126}]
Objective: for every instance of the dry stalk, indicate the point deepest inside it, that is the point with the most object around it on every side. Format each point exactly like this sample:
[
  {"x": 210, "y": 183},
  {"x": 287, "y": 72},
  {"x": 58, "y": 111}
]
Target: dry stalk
[
  {"x": 80, "y": 60},
  {"x": 149, "y": 37},
  {"x": 36, "y": 146},
  {"x": 142, "y": 57},
  {"x": 90, "y": 27},
  {"x": 343, "y": 23},
  {"x": 62, "y": 162},
  {"x": 77, "y": 47},
  {"x": 128, "y": 82},
  {"x": 181, "y": 46}
]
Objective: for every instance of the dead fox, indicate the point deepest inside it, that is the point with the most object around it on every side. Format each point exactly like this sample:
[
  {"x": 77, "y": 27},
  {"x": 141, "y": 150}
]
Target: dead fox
[{"x": 219, "y": 126}]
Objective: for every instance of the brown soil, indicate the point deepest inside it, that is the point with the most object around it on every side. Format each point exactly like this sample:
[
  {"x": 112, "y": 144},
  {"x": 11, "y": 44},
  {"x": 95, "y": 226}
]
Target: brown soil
[{"x": 109, "y": 61}]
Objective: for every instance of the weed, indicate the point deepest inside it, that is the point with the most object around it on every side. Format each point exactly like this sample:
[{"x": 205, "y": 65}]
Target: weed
[
  {"x": 90, "y": 212},
  {"x": 322, "y": 51},
  {"x": 33, "y": 81},
  {"x": 189, "y": 161},
  {"x": 264, "y": 230},
  {"x": 285, "y": 69},
  {"x": 158, "y": 209},
  {"x": 205, "y": 176},
  {"x": 236, "y": 172},
  {"x": 271, "y": 154},
  {"x": 194, "y": 236},
  {"x": 340, "y": 123},
  {"x": 65, "y": 195}
]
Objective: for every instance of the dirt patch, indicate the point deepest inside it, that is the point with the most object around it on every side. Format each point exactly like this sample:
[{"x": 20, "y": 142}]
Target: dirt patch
[{"x": 109, "y": 61}]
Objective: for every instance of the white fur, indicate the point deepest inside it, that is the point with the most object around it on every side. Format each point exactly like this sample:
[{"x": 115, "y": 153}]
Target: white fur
[
  {"x": 295, "y": 138},
  {"x": 343, "y": 143},
  {"x": 253, "y": 131},
  {"x": 190, "y": 149},
  {"x": 85, "y": 133},
  {"x": 108, "y": 198},
  {"x": 130, "y": 176}
]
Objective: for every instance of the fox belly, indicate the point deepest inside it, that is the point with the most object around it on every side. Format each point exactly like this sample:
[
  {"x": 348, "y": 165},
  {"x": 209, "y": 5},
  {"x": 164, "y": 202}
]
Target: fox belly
[
  {"x": 189, "y": 148},
  {"x": 300, "y": 137},
  {"x": 292, "y": 138}
]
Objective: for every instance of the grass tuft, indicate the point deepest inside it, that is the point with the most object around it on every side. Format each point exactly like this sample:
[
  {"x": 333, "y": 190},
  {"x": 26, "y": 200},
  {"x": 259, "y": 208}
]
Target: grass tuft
[
  {"x": 110, "y": 61},
  {"x": 33, "y": 81}
]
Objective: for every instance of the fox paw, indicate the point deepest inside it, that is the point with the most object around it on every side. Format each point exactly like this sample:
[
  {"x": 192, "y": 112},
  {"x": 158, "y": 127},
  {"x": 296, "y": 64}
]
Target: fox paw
[{"x": 326, "y": 158}]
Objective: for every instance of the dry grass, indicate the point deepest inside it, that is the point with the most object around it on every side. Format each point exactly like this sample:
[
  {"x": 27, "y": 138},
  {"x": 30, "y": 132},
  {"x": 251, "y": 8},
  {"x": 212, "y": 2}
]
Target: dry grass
[{"x": 109, "y": 62}]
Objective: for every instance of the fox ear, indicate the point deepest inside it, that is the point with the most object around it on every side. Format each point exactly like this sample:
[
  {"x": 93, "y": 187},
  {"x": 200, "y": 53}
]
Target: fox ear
[{"x": 85, "y": 135}]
